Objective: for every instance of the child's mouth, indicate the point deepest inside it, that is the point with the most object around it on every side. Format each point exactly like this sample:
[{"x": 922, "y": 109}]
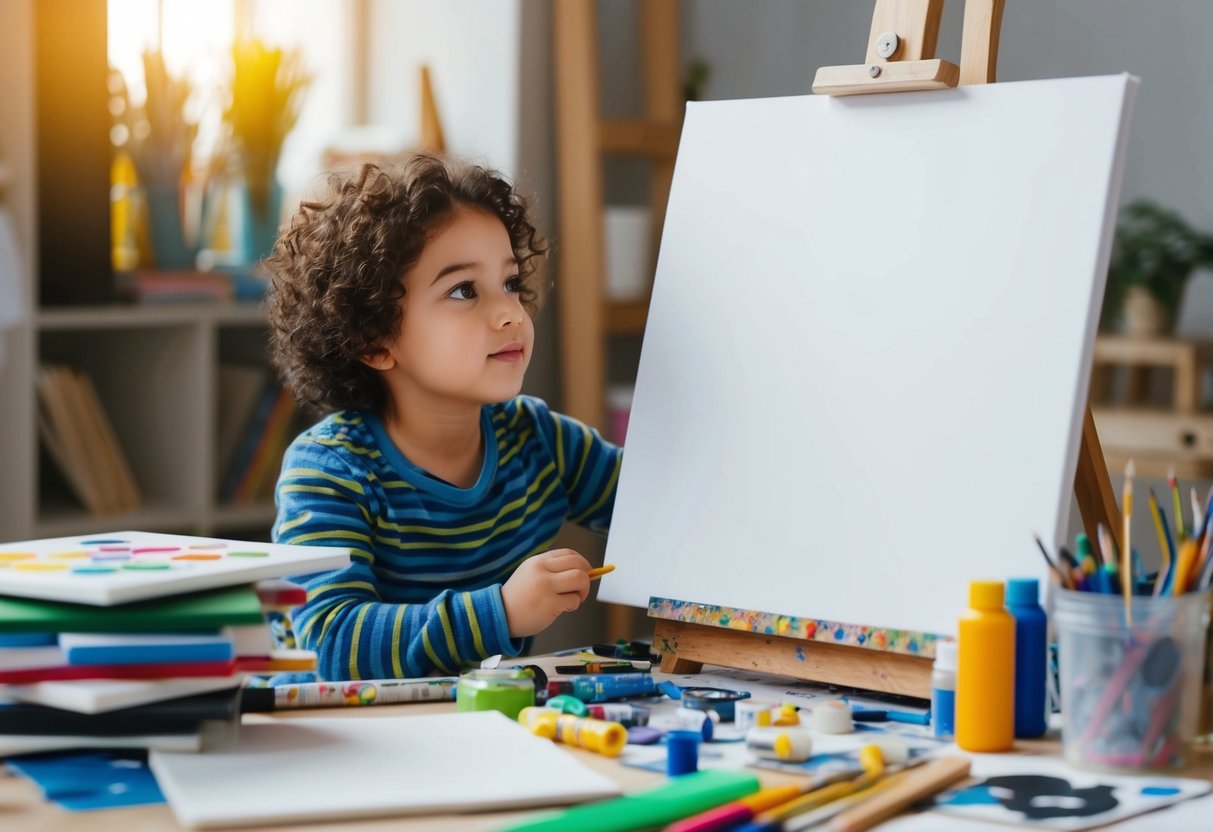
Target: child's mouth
[{"x": 511, "y": 353}]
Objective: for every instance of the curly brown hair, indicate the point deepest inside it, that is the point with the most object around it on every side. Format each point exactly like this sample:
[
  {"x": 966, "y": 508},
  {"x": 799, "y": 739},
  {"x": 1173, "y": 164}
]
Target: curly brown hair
[{"x": 338, "y": 270}]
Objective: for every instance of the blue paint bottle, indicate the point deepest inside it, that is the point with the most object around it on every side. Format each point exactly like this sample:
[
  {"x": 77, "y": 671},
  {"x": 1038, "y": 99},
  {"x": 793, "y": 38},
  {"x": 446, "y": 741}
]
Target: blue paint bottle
[
  {"x": 943, "y": 690},
  {"x": 1031, "y": 656}
]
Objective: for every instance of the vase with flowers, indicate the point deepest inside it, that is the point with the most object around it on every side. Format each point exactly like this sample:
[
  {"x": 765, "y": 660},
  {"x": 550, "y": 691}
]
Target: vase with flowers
[
  {"x": 265, "y": 96},
  {"x": 158, "y": 136}
]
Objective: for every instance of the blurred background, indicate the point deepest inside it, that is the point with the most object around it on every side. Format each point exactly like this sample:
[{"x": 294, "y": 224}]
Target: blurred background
[{"x": 149, "y": 150}]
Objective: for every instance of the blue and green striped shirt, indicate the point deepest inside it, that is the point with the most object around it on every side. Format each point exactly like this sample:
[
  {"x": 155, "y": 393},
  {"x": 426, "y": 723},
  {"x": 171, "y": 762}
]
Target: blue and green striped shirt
[{"x": 423, "y": 589}]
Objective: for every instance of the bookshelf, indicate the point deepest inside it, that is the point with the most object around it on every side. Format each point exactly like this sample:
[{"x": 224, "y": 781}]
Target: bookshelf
[
  {"x": 155, "y": 367},
  {"x": 156, "y": 371}
]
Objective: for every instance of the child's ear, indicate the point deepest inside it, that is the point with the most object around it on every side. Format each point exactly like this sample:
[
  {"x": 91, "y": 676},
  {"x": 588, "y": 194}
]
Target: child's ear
[{"x": 379, "y": 360}]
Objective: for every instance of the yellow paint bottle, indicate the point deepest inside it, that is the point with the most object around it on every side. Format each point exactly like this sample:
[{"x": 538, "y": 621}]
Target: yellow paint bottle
[{"x": 985, "y": 673}]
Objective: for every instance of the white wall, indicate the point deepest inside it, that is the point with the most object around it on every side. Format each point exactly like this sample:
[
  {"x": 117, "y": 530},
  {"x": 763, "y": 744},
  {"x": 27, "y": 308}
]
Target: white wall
[{"x": 472, "y": 49}]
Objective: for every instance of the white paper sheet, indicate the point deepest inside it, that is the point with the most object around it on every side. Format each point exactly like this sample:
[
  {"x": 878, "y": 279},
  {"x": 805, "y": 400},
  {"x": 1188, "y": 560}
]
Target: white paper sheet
[{"x": 309, "y": 769}]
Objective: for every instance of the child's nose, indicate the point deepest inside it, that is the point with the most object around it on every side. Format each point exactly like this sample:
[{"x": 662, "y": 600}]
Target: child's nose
[{"x": 508, "y": 311}]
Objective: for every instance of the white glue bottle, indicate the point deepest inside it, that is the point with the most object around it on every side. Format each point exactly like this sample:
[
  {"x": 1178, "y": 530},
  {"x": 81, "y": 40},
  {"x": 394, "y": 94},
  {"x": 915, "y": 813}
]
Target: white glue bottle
[{"x": 943, "y": 690}]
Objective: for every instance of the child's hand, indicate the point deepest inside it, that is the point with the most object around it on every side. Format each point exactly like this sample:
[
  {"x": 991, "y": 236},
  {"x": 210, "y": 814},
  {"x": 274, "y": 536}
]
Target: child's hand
[{"x": 542, "y": 588}]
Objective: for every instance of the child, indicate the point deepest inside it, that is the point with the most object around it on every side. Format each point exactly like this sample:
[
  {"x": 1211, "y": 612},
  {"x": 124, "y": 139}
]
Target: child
[{"x": 401, "y": 305}]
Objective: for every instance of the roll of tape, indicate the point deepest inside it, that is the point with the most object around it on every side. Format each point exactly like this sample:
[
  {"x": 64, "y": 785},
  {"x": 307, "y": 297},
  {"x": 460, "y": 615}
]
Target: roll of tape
[
  {"x": 721, "y": 700},
  {"x": 833, "y": 717}
]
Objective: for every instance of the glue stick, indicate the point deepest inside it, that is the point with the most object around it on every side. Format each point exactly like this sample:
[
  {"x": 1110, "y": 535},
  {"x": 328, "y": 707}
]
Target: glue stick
[
  {"x": 607, "y": 738},
  {"x": 985, "y": 673},
  {"x": 539, "y": 721}
]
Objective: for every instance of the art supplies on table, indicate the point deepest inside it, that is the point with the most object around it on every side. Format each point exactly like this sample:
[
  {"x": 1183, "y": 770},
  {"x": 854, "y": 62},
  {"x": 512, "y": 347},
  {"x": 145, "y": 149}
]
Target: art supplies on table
[
  {"x": 1045, "y": 793},
  {"x": 119, "y": 567},
  {"x": 1130, "y": 695},
  {"x": 358, "y": 692},
  {"x": 282, "y": 770},
  {"x": 1132, "y": 647},
  {"x": 652, "y": 808}
]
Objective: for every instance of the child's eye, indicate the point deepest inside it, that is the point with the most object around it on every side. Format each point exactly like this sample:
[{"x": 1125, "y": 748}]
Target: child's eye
[
  {"x": 464, "y": 291},
  {"x": 513, "y": 284}
]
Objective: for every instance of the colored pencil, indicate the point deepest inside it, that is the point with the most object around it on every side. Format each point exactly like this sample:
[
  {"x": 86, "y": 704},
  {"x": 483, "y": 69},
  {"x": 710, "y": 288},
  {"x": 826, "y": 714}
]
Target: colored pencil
[
  {"x": 1126, "y": 546},
  {"x": 1173, "y": 484},
  {"x": 1061, "y": 577},
  {"x": 739, "y": 811},
  {"x": 1156, "y": 515},
  {"x": 595, "y": 574},
  {"x": 929, "y": 779}
]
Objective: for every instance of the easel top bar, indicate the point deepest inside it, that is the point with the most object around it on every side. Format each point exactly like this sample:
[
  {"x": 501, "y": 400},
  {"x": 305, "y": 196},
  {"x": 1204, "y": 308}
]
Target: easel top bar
[{"x": 901, "y": 50}]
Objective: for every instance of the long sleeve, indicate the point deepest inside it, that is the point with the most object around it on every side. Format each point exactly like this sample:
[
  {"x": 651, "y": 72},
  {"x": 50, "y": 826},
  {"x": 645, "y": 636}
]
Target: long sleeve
[
  {"x": 323, "y": 500},
  {"x": 587, "y": 464}
]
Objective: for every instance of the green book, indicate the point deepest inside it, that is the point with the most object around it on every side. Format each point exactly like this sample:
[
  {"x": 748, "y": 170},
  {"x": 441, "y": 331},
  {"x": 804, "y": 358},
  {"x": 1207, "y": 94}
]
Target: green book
[
  {"x": 678, "y": 798},
  {"x": 208, "y": 610}
]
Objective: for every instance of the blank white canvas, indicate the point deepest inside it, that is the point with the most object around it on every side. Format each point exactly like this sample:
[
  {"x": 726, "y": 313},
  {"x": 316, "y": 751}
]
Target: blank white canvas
[
  {"x": 309, "y": 769},
  {"x": 868, "y": 349}
]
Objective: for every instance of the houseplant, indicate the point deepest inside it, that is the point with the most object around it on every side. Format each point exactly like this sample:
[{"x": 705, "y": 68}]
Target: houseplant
[{"x": 1154, "y": 253}]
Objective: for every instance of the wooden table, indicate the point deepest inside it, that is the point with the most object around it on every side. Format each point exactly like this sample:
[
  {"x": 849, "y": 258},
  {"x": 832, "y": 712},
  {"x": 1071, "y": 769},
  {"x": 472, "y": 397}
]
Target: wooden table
[{"x": 22, "y": 807}]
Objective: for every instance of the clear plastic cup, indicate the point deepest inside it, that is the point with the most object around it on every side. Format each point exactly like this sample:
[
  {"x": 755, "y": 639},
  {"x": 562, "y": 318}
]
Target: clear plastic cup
[{"x": 1130, "y": 693}]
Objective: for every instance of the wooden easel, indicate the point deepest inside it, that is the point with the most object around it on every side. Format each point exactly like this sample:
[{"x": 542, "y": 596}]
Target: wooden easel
[{"x": 900, "y": 58}]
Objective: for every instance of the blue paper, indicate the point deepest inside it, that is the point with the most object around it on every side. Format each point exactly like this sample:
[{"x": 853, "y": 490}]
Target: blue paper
[{"x": 83, "y": 781}]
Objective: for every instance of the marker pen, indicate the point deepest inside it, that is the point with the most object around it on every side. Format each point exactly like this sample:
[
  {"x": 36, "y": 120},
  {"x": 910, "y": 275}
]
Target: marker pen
[
  {"x": 604, "y": 687},
  {"x": 336, "y": 694}
]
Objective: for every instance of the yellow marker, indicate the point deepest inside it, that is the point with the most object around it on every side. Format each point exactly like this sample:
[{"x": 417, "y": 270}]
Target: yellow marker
[
  {"x": 69, "y": 555},
  {"x": 595, "y": 574}
]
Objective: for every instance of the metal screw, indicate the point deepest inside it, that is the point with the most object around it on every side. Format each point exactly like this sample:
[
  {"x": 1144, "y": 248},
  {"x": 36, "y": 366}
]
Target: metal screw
[
  {"x": 887, "y": 44},
  {"x": 874, "y": 71}
]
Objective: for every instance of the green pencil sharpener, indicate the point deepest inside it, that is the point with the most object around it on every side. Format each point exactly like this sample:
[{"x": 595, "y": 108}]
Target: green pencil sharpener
[{"x": 506, "y": 690}]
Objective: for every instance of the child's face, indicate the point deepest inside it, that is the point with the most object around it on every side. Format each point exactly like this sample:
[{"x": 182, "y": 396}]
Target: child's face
[{"x": 465, "y": 337}]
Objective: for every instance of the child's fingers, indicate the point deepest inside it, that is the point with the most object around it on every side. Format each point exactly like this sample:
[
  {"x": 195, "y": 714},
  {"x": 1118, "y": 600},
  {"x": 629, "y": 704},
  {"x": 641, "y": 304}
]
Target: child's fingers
[
  {"x": 559, "y": 560},
  {"x": 572, "y": 580}
]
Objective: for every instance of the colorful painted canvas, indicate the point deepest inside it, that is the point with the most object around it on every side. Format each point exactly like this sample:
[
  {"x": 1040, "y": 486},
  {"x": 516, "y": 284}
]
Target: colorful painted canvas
[{"x": 117, "y": 567}]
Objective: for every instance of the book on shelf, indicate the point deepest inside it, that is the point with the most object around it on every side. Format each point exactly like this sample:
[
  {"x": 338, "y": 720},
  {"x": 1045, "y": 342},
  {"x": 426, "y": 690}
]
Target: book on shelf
[
  {"x": 80, "y": 439},
  {"x": 240, "y": 389},
  {"x": 252, "y": 471},
  {"x": 176, "y": 286}
]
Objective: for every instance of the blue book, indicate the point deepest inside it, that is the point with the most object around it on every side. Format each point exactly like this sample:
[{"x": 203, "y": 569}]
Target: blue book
[{"x": 145, "y": 648}]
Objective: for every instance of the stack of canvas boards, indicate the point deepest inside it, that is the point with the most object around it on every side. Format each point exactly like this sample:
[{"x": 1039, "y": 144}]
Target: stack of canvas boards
[{"x": 138, "y": 639}]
